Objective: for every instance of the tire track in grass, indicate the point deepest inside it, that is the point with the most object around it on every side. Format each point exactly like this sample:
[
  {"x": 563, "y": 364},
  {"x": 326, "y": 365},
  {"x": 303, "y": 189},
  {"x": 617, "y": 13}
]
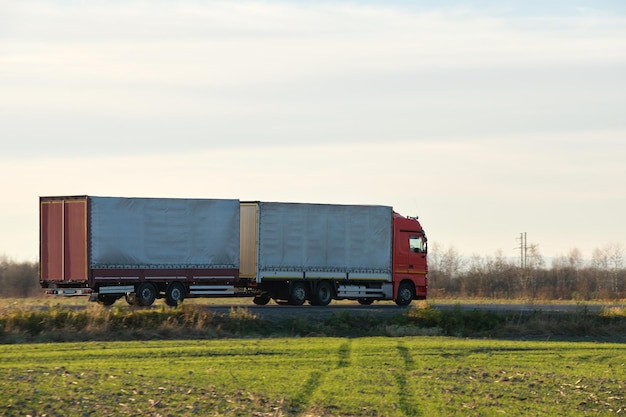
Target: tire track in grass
[
  {"x": 301, "y": 401},
  {"x": 344, "y": 354},
  {"x": 406, "y": 397}
]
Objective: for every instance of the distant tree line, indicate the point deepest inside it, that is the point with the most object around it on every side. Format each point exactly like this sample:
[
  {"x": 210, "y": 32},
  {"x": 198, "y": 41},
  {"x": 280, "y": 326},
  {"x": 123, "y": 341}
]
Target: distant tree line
[
  {"x": 569, "y": 277},
  {"x": 19, "y": 279}
]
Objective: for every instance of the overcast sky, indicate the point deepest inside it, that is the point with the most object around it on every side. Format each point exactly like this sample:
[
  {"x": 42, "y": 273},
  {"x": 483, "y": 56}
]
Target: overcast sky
[{"x": 486, "y": 119}]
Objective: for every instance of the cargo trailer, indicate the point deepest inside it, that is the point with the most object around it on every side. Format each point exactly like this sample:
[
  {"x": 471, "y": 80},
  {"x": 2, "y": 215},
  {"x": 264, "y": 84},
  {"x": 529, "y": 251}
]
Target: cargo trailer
[{"x": 148, "y": 248}]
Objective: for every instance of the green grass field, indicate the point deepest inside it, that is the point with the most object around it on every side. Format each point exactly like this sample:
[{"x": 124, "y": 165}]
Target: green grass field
[{"x": 370, "y": 376}]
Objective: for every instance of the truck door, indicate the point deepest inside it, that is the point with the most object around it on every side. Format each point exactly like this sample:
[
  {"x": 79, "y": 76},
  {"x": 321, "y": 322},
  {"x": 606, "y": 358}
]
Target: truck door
[
  {"x": 410, "y": 253},
  {"x": 417, "y": 253},
  {"x": 63, "y": 239}
]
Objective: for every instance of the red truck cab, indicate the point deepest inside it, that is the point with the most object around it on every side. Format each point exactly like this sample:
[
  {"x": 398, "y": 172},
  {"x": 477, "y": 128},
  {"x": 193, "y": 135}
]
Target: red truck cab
[{"x": 409, "y": 260}]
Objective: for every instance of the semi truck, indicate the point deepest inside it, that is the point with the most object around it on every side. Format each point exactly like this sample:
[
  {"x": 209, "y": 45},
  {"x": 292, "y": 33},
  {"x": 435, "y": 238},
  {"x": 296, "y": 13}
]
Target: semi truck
[{"x": 143, "y": 249}]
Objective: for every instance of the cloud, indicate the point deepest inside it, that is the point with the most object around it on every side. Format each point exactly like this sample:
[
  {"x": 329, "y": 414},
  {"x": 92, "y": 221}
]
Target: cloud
[{"x": 125, "y": 77}]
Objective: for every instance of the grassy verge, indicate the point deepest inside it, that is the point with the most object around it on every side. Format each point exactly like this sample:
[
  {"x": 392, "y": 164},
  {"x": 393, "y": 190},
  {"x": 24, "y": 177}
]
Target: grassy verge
[
  {"x": 320, "y": 376},
  {"x": 64, "y": 323}
]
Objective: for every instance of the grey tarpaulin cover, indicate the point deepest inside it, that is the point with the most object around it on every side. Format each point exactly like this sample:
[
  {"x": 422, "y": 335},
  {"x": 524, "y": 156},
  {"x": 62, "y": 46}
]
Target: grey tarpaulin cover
[
  {"x": 324, "y": 237},
  {"x": 163, "y": 233}
]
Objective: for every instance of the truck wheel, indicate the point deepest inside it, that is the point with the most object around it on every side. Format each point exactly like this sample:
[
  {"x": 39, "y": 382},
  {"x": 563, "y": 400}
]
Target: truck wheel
[
  {"x": 106, "y": 300},
  {"x": 323, "y": 294},
  {"x": 261, "y": 300},
  {"x": 146, "y": 294},
  {"x": 174, "y": 294},
  {"x": 298, "y": 293},
  {"x": 405, "y": 294},
  {"x": 131, "y": 298},
  {"x": 365, "y": 301}
]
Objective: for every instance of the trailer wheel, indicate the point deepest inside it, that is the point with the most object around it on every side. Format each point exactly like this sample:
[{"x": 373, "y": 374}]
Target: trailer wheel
[
  {"x": 405, "y": 294},
  {"x": 174, "y": 294},
  {"x": 297, "y": 294},
  {"x": 365, "y": 301},
  {"x": 146, "y": 294},
  {"x": 323, "y": 294},
  {"x": 261, "y": 300},
  {"x": 131, "y": 298},
  {"x": 106, "y": 300}
]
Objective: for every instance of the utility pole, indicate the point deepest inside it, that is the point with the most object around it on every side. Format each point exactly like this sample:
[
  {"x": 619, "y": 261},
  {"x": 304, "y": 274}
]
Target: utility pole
[{"x": 523, "y": 249}]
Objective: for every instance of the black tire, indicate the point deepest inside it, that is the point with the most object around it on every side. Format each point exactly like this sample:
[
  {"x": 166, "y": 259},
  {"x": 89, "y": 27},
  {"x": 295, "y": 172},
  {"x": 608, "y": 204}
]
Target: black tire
[
  {"x": 131, "y": 298},
  {"x": 297, "y": 294},
  {"x": 405, "y": 294},
  {"x": 261, "y": 300},
  {"x": 146, "y": 294},
  {"x": 365, "y": 301},
  {"x": 323, "y": 294},
  {"x": 106, "y": 300},
  {"x": 175, "y": 294}
]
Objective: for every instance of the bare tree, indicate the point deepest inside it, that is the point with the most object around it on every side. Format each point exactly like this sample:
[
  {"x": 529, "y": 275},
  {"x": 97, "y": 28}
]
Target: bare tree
[
  {"x": 444, "y": 268},
  {"x": 615, "y": 253},
  {"x": 608, "y": 264},
  {"x": 503, "y": 276},
  {"x": 451, "y": 262},
  {"x": 613, "y": 259},
  {"x": 18, "y": 279},
  {"x": 566, "y": 271}
]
